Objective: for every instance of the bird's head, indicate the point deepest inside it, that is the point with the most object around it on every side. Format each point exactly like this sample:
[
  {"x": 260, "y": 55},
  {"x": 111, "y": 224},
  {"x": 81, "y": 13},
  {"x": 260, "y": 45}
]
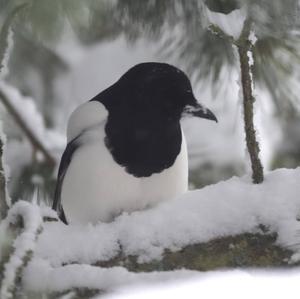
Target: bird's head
[{"x": 163, "y": 90}]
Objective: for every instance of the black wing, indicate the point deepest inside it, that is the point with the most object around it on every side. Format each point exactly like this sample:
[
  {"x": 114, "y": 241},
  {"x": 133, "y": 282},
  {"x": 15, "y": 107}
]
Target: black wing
[{"x": 64, "y": 164}]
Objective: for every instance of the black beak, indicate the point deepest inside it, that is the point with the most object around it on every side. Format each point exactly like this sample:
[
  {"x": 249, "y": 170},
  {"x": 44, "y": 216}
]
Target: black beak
[{"x": 199, "y": 110}]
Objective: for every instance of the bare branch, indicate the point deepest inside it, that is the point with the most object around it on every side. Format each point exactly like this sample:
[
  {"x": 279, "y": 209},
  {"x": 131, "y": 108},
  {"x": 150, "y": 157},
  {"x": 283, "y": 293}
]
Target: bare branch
[{"x": 244, "y": 47}]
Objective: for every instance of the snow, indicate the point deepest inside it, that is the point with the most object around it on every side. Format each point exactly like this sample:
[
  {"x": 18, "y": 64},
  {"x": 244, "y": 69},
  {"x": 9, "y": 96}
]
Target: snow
[
  {"x": 41, "y": 277},
  {"x": 230, "y": 284},
  {"x": 4, "y": 63},
  {"x": 231, "y": 24},
  {"x": 227, "y": 208},
  {"x": 23, "y": 244},
  {"x": 253, "y": 38}
]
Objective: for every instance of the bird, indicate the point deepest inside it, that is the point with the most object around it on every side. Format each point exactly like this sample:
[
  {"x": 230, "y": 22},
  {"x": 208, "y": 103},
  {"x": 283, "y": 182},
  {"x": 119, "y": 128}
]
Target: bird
[{"x": 126, "y": 150}]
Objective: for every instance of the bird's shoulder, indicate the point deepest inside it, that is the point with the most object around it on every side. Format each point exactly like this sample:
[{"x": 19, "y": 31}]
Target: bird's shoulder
[{"x": 85, "y": 117}]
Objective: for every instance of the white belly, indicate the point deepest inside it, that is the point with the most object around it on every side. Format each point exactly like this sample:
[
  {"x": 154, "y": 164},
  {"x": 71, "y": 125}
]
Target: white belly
[{"x": 96, "y": 188}]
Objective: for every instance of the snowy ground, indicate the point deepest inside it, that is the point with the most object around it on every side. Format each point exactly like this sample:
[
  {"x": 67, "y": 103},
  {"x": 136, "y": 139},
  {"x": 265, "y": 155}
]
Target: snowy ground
[
  {"x": 219, "y": 284},
  {"x": 227, "y": 208}
]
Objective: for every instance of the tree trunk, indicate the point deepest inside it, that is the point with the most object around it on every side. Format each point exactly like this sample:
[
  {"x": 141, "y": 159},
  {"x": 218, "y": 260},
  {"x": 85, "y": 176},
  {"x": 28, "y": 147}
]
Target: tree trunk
[{"x": 244, "y": 47}]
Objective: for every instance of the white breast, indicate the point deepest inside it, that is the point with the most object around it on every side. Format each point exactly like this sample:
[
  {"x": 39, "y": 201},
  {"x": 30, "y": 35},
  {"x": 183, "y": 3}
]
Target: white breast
[{"x": 96, "y": 188}]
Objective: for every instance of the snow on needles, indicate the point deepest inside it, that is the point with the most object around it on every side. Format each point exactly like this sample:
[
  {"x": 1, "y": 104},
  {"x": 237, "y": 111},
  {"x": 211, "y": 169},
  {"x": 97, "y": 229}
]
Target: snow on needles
[{"x": 227, "y": 208}]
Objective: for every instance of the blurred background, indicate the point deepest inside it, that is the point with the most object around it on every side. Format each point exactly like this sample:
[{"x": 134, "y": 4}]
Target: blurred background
[{"x": 61, "y": 53}]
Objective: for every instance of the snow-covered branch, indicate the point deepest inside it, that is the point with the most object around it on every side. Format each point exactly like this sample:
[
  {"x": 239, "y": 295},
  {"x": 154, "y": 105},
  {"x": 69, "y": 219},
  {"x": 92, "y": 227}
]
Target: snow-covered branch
[
  {"x": 4, "y": 197},
  {"x": 222, "y": 225},
  {"x": 4, "y": 33},
  {"x": 27, "y": 218},
  {"x": 230, "y": 224},
  {"x": 15, "y": 104}
]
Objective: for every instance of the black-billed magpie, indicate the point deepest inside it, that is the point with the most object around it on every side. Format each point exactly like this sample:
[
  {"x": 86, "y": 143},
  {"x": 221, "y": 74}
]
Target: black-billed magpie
[{"x": 126, "y": 150}]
